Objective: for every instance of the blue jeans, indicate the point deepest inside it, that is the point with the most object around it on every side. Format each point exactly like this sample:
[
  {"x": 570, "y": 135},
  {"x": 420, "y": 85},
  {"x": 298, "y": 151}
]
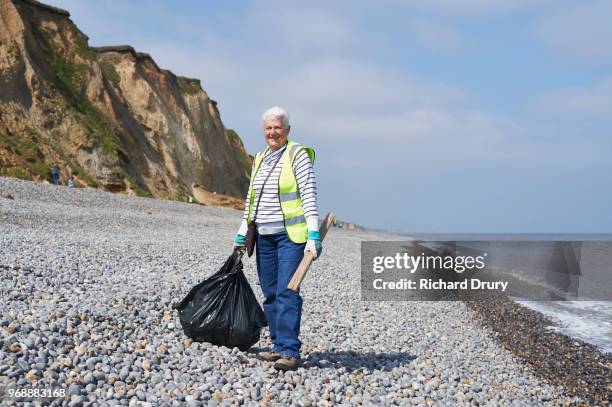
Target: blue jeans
[{"x": 277, "y": 260}]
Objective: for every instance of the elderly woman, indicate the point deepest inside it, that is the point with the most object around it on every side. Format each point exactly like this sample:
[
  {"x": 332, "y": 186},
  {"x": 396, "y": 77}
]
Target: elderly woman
[{"x": 282, "y": 205}]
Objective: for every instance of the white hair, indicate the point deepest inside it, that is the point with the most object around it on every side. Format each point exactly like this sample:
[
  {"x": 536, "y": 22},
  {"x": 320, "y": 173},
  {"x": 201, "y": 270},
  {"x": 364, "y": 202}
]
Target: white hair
[{"x": 277, "y": 113}]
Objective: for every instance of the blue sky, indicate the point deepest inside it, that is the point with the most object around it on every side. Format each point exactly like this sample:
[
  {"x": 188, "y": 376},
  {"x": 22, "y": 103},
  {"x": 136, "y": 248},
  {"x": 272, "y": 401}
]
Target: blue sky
[{"x": 471, "y": 116}]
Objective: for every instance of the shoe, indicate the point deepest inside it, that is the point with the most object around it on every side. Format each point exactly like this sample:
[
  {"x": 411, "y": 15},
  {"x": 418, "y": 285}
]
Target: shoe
[
  {"x": 269, "y": 356},
  {"x": 287, "y": 363}
]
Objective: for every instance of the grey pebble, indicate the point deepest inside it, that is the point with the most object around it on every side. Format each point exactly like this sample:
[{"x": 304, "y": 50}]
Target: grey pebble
[
  {"x": 76, "y": 401},
  {"x": 75, "y": 389},
  {"x": 124, "y": 373}
]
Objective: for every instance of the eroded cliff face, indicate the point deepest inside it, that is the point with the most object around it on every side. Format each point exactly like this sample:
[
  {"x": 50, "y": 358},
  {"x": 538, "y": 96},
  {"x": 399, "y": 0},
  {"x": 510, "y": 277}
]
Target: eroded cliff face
[{"x": 109, "y": 115}]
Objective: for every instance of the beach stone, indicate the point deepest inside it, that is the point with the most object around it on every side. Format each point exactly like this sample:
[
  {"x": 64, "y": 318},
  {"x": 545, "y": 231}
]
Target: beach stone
[
  {"x": 15, "y": 347},
  {"x": 124, "y": 373},
  {"x": 75, "y": 390},
  {"x": 32, "y": 375},
  {"x": 76, "y": 401},
  {"x": 89, "y": 378}
]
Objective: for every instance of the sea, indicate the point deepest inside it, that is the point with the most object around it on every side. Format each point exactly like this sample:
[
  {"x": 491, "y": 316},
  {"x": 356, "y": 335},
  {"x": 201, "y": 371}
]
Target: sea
[{"x": 585, "y": 312}]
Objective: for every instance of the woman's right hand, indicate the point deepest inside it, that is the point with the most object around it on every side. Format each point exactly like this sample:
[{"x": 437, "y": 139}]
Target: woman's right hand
[{"x": 239, "y": 241}]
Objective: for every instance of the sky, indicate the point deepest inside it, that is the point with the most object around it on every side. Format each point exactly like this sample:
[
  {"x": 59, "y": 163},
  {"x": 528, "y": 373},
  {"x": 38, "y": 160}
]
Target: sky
[{"x": 438, "y": 116}]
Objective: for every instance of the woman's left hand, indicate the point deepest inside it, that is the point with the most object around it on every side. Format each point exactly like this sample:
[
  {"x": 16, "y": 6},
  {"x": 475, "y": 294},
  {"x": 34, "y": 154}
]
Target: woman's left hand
[{"x": 314, "y": 246}]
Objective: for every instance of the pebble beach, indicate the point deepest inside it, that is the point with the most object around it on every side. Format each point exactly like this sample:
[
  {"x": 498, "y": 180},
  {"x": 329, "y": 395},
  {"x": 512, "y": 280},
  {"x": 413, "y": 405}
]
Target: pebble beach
[{"x": 89, "y": 279}]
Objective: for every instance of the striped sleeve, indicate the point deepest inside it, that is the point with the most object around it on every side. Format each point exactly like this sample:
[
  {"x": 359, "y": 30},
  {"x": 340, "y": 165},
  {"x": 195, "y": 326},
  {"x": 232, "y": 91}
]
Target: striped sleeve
[{"x": 305, "y": 176}]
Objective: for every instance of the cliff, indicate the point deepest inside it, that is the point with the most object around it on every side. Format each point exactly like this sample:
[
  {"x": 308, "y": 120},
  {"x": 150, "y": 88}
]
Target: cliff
[{"x": 108, "y": 115}]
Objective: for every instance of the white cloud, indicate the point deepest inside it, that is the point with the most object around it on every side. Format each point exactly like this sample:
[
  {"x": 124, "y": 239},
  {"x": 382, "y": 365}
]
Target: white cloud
[
  {"x": 429, "y": 125},
  {"x": 594, "y": 100},
  {"x": 299, "y": 27},
  {"x": 435, "y": 35},
  {"x": 343, "y": 84},
  {"x": 581, "y": 32}
]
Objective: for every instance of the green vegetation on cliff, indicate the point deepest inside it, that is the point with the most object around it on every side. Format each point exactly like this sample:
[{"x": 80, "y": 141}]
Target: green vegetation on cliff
[
  {"x": 137, "y": 188},
  {"x": 110, "y": 73},
  {"x": 21, "y": 146},
  {"x": 187, "y": 85},
  {"x": 72, "y": 81},
  {"x": 27, "y": 162}
]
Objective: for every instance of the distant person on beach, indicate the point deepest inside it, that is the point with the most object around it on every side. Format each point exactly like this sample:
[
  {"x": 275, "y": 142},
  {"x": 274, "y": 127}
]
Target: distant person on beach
[
  {"x": 71, "y": 183},
  {"x": 281, "y": 206},
  {"x": 55, "y": 173}
]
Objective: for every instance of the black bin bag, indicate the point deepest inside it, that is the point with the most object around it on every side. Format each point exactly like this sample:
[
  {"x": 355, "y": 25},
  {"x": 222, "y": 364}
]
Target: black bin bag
[{"x": 223, "y": 309}]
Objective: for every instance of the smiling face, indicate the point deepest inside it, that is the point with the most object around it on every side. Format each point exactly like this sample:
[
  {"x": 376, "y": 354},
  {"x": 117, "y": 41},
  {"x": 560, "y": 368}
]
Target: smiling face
[{"x": 275, "y": 132}]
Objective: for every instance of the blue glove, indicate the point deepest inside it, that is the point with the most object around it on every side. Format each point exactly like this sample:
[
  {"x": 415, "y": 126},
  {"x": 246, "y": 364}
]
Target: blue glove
[
  {"x": 239, "y": 240},
  {"x": 313, "y": 235}
]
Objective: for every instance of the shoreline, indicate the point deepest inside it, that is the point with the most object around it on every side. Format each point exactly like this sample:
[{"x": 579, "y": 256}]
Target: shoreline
[{"x": 581, "y": 368}]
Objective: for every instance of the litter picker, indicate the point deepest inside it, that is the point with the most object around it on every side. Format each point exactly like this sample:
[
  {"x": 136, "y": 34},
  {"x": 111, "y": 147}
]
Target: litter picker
[{"x": 300, "y": 272}]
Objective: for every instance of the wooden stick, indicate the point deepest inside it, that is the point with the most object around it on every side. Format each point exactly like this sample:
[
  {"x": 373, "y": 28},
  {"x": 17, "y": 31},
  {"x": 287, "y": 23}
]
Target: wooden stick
[{"x": 300, "y": 272}]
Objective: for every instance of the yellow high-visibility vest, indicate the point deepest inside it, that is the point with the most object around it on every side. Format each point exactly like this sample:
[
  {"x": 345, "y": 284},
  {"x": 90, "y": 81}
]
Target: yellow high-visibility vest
[{"x": 288, "y": 192}]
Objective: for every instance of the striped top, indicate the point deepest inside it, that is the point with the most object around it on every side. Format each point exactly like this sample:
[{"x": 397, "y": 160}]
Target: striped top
[{"x": 269, "y": 215}]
